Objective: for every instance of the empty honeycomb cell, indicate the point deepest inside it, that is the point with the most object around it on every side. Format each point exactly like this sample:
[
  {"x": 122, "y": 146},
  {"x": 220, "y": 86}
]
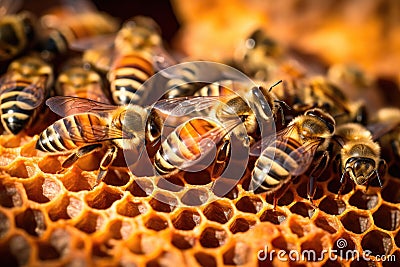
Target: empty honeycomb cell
[
  {"x": 391, "y": 192},
  {"x": 102, "y": 198},
  {"x": 32, "y": 221},
  {"x": 302, "y": 191},
  {"x": 250, "y": 204},
  {"x": 332, "y": 206},
  {"x": 10, "y": 194},
  {"x": 205, "y": 259},
  {"x": 334, "y": 185},
  {"x": 50, "y": 164},
  {"x": 101, "y": 250},
  {"x": 65, "y": 208},
  {"x": 41, "y": 190},
  {"x": 392, "y": 260},
  {"x": 387, "y": 217},
  {"x": 356, "y": 222},
  {"x": 237, "y": 255},
  {"x": 74, "y": 180},
  {"x": 182, "y": 242},
  {"x": 397, "y": 239},
  {"x": 379, "y": 243},
  {"x": 143, "y": 243},
  {"x": 284, "y": 200},
  {"x": 90, "y": 223},
  {"x": 47, "y": 252},
  {"x": 141, "y": 187},
  {"x": 218, "y": 211},
  {"x": 6, "y": 157},
  {"x": 326, "y": 223},
  {"x": 312, "y": 248},
  {"x": 212, "y": 237},
  {"x": 303, "y": 209},
  {"x": 163, "y": 202},
  {"x": 4, "y": 224},
  {"x": 116, "y": 177},
  {"x": 16, "y": 252},
  {"x": 198, "y": 178},
  {"x": 344, "y": 247},
  {"x": 224, "y": 187},
  {"x": 195, "y": 197},
  {"x": 156, "y": 223},
  {"x": 130, "y": 208},
  {"x": 21, "y": 169},
  {"x": 363, "y": 201},
  {"x": 241, "y": 225},
  {"x": 273, "y": 216},
  {"x": 173, "y": 184},
  {"x": 186, "y": 219},
  {"x": 60, "y": 240},
  {"x": 280, "y": 243}
]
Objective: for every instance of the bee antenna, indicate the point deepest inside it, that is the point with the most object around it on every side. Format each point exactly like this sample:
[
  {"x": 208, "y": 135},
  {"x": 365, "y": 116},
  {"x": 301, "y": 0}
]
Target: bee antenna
[
  {"x": 340, "y": 115},
  {"x": 378, "y": 177},
  {"x": 342, "y": 177},
  {"x": 275, "y": 84}
]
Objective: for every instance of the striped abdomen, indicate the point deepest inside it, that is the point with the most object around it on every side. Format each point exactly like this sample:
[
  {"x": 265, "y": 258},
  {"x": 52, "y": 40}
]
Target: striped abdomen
[
  {"x": 283, "y": 162},
  {"x": 17, "y": 105},
  {"x": 183, "y": 145},
  {"x": 69, "y": 133},
  {"x": 127, "y": 76}
]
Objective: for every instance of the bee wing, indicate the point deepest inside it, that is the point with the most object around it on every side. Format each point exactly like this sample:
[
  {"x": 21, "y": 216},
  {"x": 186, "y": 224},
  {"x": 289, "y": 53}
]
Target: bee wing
[
  {"x": 379, "y": 129},
  {"x": 68, "y": 105},
  {"x": 300, "y": 159},
  {"x": 103, "y": 43},
  {"x": 93, "y": 133},
  {"x": 33, "y": 94},
  {"x": 259, "y": 146},
  {"x": 181, "y": 106},
  {"x": 9, "y": 6},
  {"x": 162, "y": 59},
  {"x": 78, "y": 6}
]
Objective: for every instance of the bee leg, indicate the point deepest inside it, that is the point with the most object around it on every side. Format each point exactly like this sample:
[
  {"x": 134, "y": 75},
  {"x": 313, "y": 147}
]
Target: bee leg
[
  {"x": 106, "y": 161},
  {"x": 279, "y": 105},
  {"x": 343, "y": 182},
  {"x": 78, "y": 154},
  {"x": 321, "y": 162},
  {"x": 382, "y": 169}
]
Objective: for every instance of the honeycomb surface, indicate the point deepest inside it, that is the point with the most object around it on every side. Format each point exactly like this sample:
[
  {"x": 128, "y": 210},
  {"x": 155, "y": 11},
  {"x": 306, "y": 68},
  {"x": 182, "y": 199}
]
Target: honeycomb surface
[{"x": 50, "y": 219}]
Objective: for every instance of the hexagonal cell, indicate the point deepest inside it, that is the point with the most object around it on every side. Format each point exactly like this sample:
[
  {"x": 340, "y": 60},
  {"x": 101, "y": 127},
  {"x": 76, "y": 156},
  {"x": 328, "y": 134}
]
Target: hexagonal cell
[
  {"x": 186, "y": 219},
  {"x": 15, "y": 252},
  {"x": 397, "y": 239},
  {"x": 131, "y": 208},
  {"x": 392, "y": 260},
  {"x": 387, "y": 217},
  {"x": 356, "y": 222},
  {"x": 344, "y": 247},
  {"x": 65, "y": 208},
  {"x": 11, "y": 194},
  {"x": 90, "y": 223},
  {"x": 250, "y": 204},
  {"x": 286, "y": 199},
  {"x": 32, "y": 221},
  {"x": 212, "y": 237},
  {"x": 116, "y": 177},
  {"x": 238, "y": 254},
  {"x": 197, "y": 178},
  {"x": 363, "y": 201},
  {"x": 4, "y": 224},
  {"x": 47, "y": 252},
  {"x": 326, "y": 223},
  {"x": 332, "y": 206},
  {"x": 156, "y": 223},
  {"x": 241, "y": 225},
  {"x": 140, "y": 187},
  {"x": 280, "y": 243},
  {"x": 50, "y": 164},
  {"x": 303, "y": 209},
  {"x": 7, "y": 157},
  {"x": 218, "y": 211},
  {"x": 60, "y": 240},
  {"x": 163, "y": 202},
  {"x": 205, "y": 259},
  {"x": 273, "y": 216},
  {"x": 182, "y": 242},
  {"x": 302, "y": 191},
  {"x": 312, "y": 248},
  {"x": 21, "y": 169},
  {"x": 379, "y": 243},
  {"x": 75, "y": 180},
  {"x": 195, "y": 197},
  {"x": 224, "y": 187},
  {"x": 391, "y": 192},
  {"x": 143, "y": 243},
  {"x": 41, "y": 190},
  {"x": 335, "y": 184},
  {"x": 102, "y": 198},
  {"x": 173, "y": 184},
  {"x": 102, "y": 249}
]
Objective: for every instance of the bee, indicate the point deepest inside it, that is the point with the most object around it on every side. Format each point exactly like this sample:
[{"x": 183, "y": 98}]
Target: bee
[
  {"x": 64, "y": 25},
  {"x": 17, "y": 31},
  {"x": 80, "y": 81},
  {"x": 23, "y": 90},
  {"x": 298, "y": 148},
  {"x": 359, "y": 156},
  {"x": 89, "y": 125}
]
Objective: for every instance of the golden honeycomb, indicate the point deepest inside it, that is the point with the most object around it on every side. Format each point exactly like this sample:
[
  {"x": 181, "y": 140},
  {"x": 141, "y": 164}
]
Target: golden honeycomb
[{"x": 49, "y": 218}]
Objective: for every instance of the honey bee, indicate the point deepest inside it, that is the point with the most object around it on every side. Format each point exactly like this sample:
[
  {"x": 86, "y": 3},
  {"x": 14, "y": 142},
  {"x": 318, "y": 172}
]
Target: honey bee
[
  {"x": 89, "y": 125},
  {"x": 23, "y": 90},
  {"x": 298, "y": 148},
  {"x": 65, "y": 25},
  {"x": 17, "y": 31},
  {"x": 79, "y": 81},
  {"x": 359, "y": 156}
]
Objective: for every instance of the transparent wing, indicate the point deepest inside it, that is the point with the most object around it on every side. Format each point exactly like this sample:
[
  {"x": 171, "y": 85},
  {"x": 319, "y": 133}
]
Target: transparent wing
[
  {"x": 257, "y": 148},
  {"x": 162, "y": 59},
  {"x": 379, "y": 129},
  {"x": 300, "y": 159},
  {"x": 68, "y": 105},
  {"x": 103, "y": 43}
]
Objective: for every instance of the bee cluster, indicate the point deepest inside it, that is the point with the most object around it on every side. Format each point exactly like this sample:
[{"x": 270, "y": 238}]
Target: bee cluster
[{"x": 318, "y": 167}]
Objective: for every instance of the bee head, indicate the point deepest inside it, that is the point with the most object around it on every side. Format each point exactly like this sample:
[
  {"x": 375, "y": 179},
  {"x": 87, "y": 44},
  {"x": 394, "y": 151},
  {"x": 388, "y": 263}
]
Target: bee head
[
  {"x": 327, "y": 120},
  {"x": 360, "y": 169}
]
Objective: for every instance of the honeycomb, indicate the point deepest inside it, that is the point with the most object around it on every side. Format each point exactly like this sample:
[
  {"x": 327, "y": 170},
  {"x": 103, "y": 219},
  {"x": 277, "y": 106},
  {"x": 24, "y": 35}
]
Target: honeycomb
[{"x": 49, "y": 218}]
